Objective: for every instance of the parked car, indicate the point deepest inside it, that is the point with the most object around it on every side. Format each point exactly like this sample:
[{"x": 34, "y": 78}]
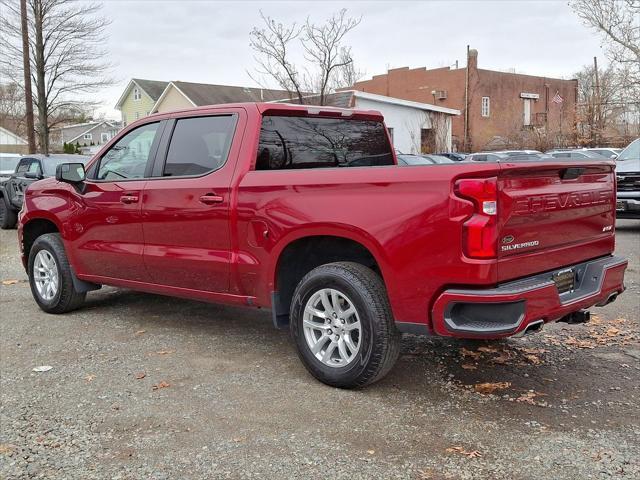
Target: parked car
[
  {"x": 455, "y": 156},
  {"x": 8, "y": 162},
  {"x": 628, "y": 177},
  {"x": 302, "y": 210},
  {"x": 517, "y": 153},
  {"x": 28, "y": 169},
  {"x": 606, "y": 152},
  {"x": 576, "y": 155},
  {"x": 422, "y": 159},
  {"x": 486, "y": 157}
]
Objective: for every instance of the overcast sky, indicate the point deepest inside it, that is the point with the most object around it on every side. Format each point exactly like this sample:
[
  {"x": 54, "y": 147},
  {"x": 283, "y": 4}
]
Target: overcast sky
[{"x": 208, "y": 42}]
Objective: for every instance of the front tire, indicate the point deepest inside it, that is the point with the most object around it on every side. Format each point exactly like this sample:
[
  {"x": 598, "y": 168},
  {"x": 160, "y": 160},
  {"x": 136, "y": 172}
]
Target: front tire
[
  {"x": 342, "y": 325},
  {"x": 8, "y": 217},
  {"x": 50, "y": 276}
]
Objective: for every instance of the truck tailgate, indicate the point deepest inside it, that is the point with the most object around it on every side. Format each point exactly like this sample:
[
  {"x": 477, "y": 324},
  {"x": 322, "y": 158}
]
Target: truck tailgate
[{"x": 553, "y": 214}]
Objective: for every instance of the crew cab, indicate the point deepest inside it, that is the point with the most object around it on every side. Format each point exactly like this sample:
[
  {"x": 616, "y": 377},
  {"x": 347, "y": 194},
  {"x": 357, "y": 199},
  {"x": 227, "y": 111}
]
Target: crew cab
[
  {"x": 628, "y": 176},
  {"x": 303, "y": 210},
  {"x": 28, "y": 169}
]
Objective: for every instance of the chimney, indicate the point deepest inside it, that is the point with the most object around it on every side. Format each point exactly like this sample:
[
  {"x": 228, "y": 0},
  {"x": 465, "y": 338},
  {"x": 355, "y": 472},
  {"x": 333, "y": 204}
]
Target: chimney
[{"x": 472, "y": 59}]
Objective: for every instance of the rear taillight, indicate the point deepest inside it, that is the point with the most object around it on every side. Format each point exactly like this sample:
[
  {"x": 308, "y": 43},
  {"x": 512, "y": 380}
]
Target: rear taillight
[{"x": 480, "y": 232}]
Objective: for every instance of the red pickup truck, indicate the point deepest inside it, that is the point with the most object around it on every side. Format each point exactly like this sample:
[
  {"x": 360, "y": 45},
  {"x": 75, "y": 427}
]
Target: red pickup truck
[{"x": 303, "y": 210}]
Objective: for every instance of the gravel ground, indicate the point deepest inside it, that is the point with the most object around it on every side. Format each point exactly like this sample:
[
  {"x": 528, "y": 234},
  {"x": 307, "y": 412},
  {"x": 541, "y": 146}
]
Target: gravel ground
[{"x": 149, "y": 387}]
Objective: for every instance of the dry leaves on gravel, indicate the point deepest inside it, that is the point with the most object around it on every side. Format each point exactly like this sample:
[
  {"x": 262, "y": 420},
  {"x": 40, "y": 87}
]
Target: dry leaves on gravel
[
  {"x": 488, "y": 388},
  {"x": 140, "y": 375},
  {"x": 160, "y": 385},
  {"x": 462, "y": 451},
  {"x": 9, "y": 282},
  {"x": 164, "y": 352},
  {"x": 530, "y": 398}
]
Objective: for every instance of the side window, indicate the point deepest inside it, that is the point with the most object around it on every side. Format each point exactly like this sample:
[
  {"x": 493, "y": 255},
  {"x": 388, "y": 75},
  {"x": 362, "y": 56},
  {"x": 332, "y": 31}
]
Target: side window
[
  {"x": 129, "y": 157},
  {"x": 311, "y": 142},
  {"x": 479, "y": 158},
  {"x": 24, "y": 165},
  {"x": 199, "y": 145},
  {"x": 34, "y": 167}
]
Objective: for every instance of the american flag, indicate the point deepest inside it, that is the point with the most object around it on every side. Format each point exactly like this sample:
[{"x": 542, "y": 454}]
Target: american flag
[{"x": 557, "y": 98}]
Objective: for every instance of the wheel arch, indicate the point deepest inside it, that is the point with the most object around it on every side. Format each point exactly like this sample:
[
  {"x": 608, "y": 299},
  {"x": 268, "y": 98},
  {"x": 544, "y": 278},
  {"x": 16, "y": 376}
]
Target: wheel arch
[{"x": 308, "y": 249}]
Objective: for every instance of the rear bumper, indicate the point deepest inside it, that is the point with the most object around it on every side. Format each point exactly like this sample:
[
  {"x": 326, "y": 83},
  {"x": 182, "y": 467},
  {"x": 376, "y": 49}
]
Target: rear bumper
[
  {"x": 627, "y": 207},
  {"x": 511, "y": 307}
]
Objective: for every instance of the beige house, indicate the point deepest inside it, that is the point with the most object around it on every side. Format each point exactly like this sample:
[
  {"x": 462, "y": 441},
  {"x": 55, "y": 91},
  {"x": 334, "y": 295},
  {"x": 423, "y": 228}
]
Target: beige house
[
  {"x": 179, "y": 95},
  {"x": 138, "y": 99},
  {"x": 11, "y": 142}
]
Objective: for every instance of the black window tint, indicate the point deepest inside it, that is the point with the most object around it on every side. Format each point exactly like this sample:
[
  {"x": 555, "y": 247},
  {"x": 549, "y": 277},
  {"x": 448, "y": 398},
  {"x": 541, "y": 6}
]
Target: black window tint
[
  {"x": 306, "y": 142},
  {"x": 128, "y": 158},
  {"x": 23, "y": 166},
  {"x": 199, "y": 145}
]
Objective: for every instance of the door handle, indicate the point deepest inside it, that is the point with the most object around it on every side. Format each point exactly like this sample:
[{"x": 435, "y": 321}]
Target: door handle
[
  {"x": 129, "y": 199},
  {"x": 211, "y": 198}
]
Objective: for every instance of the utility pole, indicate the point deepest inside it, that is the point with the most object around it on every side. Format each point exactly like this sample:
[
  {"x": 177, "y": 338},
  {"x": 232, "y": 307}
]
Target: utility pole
[
  {"x": 598, "y": 102},
  {"x": 28, "y": 96},
  {"x": 466, "y": 104}
]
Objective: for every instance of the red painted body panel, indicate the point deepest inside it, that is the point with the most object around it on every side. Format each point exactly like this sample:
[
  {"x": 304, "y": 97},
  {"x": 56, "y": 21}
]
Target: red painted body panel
[{"x": 409, "y": 218}]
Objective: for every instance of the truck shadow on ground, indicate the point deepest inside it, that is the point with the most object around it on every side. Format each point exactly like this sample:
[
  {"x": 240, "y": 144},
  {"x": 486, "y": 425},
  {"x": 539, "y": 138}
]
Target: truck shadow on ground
[{"x": 565, "y": 367}]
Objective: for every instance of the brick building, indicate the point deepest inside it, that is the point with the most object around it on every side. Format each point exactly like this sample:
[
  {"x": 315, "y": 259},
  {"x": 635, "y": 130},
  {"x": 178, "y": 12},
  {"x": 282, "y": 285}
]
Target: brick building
[{"x": 504, "y": 109}]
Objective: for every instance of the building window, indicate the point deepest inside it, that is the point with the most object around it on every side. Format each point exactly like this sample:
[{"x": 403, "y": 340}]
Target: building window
[
  {"x": 88, "y": 136},
  {"x": 137, "y": 115},
  {"x": 136, "y": 94},
  {"x": 485, "y": 111},
  {"x": 104, "y": 137}
]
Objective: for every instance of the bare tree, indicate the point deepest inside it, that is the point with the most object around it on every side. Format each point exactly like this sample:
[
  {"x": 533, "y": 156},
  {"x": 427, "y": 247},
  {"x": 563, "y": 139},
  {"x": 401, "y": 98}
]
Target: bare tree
[
  {"x": 328, "y": 63},
  {"x": 66, "y": 40},
  {"x": 603, "y": 113},
  {"x": 618, "y": 23}
]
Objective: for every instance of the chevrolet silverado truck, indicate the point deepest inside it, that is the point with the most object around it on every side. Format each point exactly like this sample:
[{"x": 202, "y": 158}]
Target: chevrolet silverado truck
[{"x": 302, "y": 210}]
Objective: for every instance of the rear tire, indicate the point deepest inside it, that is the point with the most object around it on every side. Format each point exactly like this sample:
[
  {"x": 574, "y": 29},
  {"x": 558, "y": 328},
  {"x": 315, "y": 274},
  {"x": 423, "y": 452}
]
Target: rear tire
[
  {"x": 50, "y": 276},
  {"x": 342, "y": 325},
  {"x": 8, "y": 217}
]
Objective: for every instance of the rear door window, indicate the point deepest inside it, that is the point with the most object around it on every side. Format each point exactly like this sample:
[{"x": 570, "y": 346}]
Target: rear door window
[
  {"x": 311, "y": 142},
  {"x": 199, "y": 145}
]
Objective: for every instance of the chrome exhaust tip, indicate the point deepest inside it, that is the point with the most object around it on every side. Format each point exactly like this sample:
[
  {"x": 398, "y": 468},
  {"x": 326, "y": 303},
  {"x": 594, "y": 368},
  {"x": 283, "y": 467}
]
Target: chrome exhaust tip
[{"x": 533, "y": 327}]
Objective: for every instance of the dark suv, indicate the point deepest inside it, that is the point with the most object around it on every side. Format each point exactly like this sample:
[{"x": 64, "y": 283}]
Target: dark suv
[{"x": 29, "y": 169}]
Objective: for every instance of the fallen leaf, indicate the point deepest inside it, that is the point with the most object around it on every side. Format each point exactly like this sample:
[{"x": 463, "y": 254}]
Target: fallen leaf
[
  {"x": 467, "y": 366},
  {"x": 462, "y": 451},
  {"x": 371, "y": 452},
  {"x": 140, "y": 332},
  {"x": 9, "y": 282},
  {"x": 529, "y": 397},
  {"x": 43, "y": 368},
  {"x": 533, "y": 359},
  {"x": 7, "y": 448},
  {"x": 140, "y": 375},
  {"x": 487, "y": 388},
  {"x": 162, "y": 384},
  {"x": 533, "y": 351},
  {"x": 470, "y": 353},
  {"x": 488, "y": 349},
  {"x": 89, "y": 378},
  {"x": 502, "y": 359},
  {"x": 165, "y": 352},
  {"x": 612, "y": 332}
]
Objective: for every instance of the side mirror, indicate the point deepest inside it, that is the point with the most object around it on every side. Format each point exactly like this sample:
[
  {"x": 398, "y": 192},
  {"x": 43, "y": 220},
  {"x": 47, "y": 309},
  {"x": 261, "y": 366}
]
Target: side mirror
[
  {"x": 33, "y": 175},
  {"x": 70, "y": 173},
  {"x": 614, "y": 156}
]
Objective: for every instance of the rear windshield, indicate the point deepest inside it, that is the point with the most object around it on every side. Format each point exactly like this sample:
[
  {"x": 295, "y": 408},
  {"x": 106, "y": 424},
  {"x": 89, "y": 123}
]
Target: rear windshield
[{"x": 309, "y": 142}]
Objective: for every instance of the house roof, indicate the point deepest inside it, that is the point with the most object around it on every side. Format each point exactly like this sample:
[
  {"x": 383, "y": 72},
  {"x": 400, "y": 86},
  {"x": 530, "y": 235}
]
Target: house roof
[
  {"x": 17, "y": 138},
  {"x": 200, "y": 94},
  {"x": 153, "y": 88},
  {"x": 90, "y": 126},
  {"x": 347, "y": 99}
]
